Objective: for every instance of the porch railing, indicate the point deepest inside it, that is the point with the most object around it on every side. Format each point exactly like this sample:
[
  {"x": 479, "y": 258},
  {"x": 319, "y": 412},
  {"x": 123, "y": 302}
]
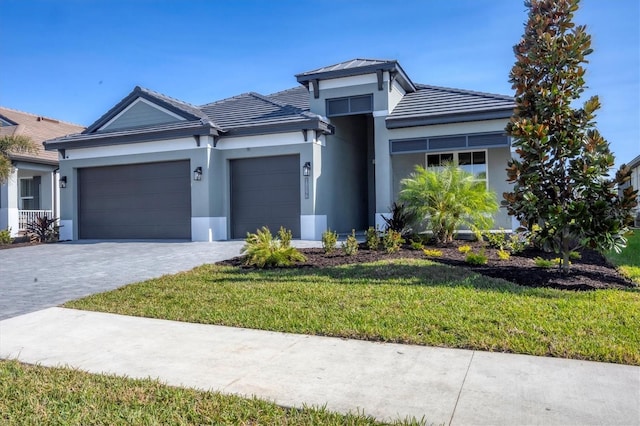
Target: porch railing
[{"x": 27, "y": 216}]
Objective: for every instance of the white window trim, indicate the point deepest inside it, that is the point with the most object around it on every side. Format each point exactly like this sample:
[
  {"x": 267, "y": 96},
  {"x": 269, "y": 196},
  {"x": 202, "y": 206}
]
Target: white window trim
[
  {"x": 455, "y": 159},
  {"x": 23, "y": 197}
]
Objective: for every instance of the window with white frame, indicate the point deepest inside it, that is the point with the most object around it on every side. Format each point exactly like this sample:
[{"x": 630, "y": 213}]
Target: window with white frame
[
  {"x": 474, "y": 162},
  {"x": 29, "y": 199}
]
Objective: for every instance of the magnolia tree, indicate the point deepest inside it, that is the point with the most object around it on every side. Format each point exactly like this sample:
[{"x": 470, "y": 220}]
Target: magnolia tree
[{"x": 561, "y": 171}]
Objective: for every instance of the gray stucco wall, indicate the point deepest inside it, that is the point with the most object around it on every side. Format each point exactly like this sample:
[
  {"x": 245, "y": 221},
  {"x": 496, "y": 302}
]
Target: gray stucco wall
[
  {"x": 141, "y": 114},
  {"x": 343, "y": 187}
]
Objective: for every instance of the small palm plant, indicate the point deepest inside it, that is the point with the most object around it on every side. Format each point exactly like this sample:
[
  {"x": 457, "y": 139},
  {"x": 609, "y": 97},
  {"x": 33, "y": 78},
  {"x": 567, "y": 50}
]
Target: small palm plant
[
  {"x": 44, "y": 229},
  {"x": 448, "y": 198},
  {"x": 264, "y": 250}
]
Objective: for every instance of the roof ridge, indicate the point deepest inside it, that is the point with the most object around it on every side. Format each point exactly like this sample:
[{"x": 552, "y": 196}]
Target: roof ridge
[
  {"x": 220, "y": 101},
  {"x": 464, "y": 91},
  {"x": 159, "y": 94},
  {"x": 290, "y": 107},
  {"x": 50, "y": 119}
]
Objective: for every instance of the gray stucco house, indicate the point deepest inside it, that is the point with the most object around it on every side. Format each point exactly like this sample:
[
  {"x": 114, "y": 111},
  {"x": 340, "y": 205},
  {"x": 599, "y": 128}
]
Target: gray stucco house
[{"x": 329, "y": 153}]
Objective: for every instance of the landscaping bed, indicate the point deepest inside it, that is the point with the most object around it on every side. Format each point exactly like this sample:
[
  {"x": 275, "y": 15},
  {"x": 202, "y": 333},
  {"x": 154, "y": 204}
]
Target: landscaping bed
[{"x": 592, "y": 271}]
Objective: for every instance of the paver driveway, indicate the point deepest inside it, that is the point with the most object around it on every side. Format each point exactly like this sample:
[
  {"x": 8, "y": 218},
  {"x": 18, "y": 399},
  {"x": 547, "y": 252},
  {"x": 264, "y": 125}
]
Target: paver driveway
[{"x": 37, "y": 277}]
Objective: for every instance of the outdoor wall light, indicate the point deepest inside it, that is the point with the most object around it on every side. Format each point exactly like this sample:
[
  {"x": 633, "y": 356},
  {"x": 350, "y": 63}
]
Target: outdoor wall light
[
  {"x": 62, "y": 182},
  {"x": 306, "y": 169},
  {"x": 197, "y": 173}
]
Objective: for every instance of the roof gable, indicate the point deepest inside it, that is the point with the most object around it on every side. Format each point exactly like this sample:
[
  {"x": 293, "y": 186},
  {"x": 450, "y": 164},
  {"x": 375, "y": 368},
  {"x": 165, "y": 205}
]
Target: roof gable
[
  {"x": 141, "y": 112},
  {"x": 167, "y": 110}
]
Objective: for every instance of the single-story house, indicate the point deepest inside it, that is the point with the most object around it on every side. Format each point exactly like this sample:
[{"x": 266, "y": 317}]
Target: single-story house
[
  {"x": 32, "y": 188},
  {"x": 327, "y": 154},
  {"x": 635, "y": 183}
]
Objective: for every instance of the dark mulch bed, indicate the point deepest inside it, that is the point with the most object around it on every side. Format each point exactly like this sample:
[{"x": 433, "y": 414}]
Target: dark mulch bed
[{"x": 590, "y": 272}]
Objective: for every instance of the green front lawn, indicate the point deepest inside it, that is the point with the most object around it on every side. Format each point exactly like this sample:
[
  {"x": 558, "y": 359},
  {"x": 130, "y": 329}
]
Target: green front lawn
[
  {"x": 629, "y": 260},
  {"x": 408, "y": 301},
  {"x": 34, "y": 395}
]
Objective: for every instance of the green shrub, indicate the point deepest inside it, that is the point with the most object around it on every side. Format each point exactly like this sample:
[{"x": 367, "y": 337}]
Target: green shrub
[
  {"x": 416, "y": 245},
  {"x": 448, "y": 198},
  {"x": 464, "y": 249},
  {"x": 329, "y": 241},
  {"x": 5, "y": 236},
  {"x": 574, "y": 255},
  {"x": 263, "y": 250},
  {"x": 432, "y": 252},
  {"x": 476, "y": 258},
  {"x": 373, "y": 238},
  {"x": 543, "y": 263},
  {"x": 392, "y": 241},
  {"x": 503, "y": 255},
  {"x": 44, "y": 229},
  {"x": 515, "y": 242},
  {"x": 350, "y": 245}
]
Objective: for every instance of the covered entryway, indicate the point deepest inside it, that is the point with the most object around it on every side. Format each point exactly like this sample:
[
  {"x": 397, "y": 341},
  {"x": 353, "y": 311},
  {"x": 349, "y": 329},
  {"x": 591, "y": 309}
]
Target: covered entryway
[
  {"x": 135, "y": 201},
  {"x": 265, "y": 191}
]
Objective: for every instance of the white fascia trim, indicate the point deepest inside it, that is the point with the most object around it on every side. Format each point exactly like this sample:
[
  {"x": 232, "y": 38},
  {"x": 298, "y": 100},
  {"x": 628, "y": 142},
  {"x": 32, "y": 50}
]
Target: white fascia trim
[
  {"x": 356, "y": 80},
  {"x": 208, "y": 229},
  {"x": 312, "y": 227},
  {"x": 381, "y": 113},
  {"x": 260, "y": 141},
  {"x": 396, "y": 85},
  {"x": 151, "y": 104},
  {"x": 134, "y": 148},
  {"x": 66, "y": 230}
]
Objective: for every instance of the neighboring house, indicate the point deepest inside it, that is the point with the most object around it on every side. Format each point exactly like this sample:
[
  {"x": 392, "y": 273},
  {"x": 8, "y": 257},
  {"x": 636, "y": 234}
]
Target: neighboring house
[
  {"x": 328, "y": 154},
  {"x": 635, "y": 183},
  {"x": 32, "y": 189}
]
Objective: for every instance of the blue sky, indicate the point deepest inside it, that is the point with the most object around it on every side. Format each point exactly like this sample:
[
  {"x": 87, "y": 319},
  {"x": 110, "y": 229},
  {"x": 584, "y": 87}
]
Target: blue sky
[{"x": 75, "y": 59}]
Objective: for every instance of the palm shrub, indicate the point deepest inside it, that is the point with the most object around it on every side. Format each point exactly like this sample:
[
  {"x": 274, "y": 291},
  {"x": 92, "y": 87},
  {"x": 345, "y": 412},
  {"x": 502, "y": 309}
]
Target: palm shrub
[
  {"x": 43, "y": 228},
  {"x": 401, "y": 220},
  {"x": 264, "y": 250},
  {"x": 447, "y": 198}
]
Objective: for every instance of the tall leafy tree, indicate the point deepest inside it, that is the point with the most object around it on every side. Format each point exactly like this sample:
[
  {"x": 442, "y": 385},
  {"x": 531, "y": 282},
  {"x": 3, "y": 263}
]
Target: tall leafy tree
[
  {"x": 561, "y": 178},
  {"x": 12, "y": 144}
]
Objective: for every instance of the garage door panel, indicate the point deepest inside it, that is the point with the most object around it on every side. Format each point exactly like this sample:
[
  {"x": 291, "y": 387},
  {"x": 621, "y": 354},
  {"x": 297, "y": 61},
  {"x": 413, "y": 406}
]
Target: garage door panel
[
  {"x": 265, "y": 192},
  {"x": 135, "y": 201}
]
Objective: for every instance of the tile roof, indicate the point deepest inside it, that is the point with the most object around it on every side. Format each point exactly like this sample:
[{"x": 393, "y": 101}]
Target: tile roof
[
  {"x": 349, "y": 65},
  {"x": 434, "y": 104},
  {"x": 297, "y": 96},
  {"x": 252, "y": 109},
  {"x": 39, "y": 129}
]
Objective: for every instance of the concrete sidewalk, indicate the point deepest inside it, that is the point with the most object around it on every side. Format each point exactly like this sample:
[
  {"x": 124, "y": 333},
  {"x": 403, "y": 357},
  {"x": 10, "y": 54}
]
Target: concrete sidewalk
[{"x": 388, "y": 381}]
